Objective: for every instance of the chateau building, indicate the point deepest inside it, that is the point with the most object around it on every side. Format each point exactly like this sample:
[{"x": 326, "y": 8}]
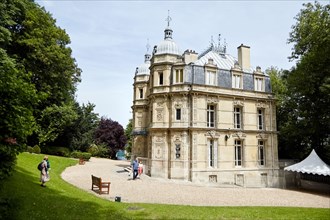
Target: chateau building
[{"x": 207, "y": 118}]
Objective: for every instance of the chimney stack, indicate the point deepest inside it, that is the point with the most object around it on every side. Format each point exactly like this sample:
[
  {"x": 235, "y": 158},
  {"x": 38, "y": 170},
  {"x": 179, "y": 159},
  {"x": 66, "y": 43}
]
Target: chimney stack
[{"x": 244, "y": 56}]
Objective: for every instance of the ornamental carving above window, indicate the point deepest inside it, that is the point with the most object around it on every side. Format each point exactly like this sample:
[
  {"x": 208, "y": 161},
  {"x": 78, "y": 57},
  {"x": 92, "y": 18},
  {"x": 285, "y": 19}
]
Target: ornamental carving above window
[
  {"x": 261, "y": 105},
  {"x": 238, "y": 103},
  {"x": 262, "y": 136},
  {"x": 212, "y": 100},
  {"x": 239, "y": 135}
]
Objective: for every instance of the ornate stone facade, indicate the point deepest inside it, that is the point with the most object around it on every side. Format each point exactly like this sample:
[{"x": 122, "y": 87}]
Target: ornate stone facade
[{"x": 207, "y": 119}]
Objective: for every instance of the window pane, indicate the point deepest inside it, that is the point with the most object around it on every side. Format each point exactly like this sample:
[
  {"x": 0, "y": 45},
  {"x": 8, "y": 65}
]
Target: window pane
[
  {"x": 238, "y": 153},
  {"x": 178, "y": 114},
  {"x": 261, "y": 153},
  {"x": 160, "y": 78},
  {"x": 211, "y": 152},
  {"x": 237, "y": 118},
  {"x": 210, "y": 115},
  {"x": 260, "y": 119}
]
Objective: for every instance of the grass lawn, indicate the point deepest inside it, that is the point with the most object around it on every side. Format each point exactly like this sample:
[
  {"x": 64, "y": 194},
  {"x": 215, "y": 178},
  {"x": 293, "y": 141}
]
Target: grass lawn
[{"x": 22, "y": 197}]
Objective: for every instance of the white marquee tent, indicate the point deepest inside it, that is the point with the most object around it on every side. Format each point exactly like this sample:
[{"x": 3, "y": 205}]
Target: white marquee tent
[{"x": 310, "y": 165}]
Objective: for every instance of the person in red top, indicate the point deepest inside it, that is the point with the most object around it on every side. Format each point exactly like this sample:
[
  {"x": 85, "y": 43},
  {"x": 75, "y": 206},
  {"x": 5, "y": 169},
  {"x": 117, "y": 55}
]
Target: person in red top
[{"x": 140, "y": 169}]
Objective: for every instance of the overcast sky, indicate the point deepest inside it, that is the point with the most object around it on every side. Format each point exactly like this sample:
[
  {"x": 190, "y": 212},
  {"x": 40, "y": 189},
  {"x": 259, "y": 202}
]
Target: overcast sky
[{"x": 109, "y": 39}]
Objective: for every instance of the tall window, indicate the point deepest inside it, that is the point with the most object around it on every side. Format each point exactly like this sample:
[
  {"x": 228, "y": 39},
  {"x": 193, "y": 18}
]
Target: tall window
[
  {"x": 178, "y": 76},
  {"x": 237, "y": 118},
  {"x": 260, "y": 119},
  {"x": 210, "y": 116},
  {"x": 258, "y": 84},
  {"x": 178, "y": 114},
  {"x": 210, "y": 78},
  {"x": 141, "y": 93},
  {"x": 236, "y": 81},
  {"x": 161, "y": 76},
  {"x": 261, "y": 153},
  {"x": 238, "y": 153},
  {"x": 212, "y": 152}
]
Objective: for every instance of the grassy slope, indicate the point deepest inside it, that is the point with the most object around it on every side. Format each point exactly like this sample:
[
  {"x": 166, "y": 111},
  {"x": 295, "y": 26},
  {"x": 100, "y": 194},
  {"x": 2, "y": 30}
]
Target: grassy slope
[{"x": 60, "y": 200}]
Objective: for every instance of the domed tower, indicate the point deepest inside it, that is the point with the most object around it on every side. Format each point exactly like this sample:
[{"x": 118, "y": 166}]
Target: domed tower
[
  {"x": 140, "y": 106},
  {"x": 166, "y": 57},
  {"x": 164, "y": 54}
]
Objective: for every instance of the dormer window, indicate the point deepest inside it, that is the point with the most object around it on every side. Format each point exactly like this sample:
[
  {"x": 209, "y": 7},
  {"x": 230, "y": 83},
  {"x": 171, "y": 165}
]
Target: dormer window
[
  {"x": 237, "y": 81},
  {"x": 178, "y": 76},
  {"x": 210, "y": 78},
  {"x": 259, "y": 84}
]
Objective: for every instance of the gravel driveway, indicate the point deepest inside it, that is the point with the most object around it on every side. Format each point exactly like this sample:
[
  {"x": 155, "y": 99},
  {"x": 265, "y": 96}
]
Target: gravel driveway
[{"x": 162, "y": 191}]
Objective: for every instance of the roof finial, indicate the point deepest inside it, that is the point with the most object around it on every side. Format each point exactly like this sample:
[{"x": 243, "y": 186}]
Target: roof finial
[
  {"x": 212, "y": 41},
  {"x": 148, "y": 45},
  {"x": 168, "y": 19},
  {"x": 219, "y": 40}
]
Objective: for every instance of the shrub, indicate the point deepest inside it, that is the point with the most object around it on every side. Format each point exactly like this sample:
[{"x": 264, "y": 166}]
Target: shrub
[
  {"x": 86, "y": 156},
  {"x": 98, "y": 150},
  {"x": 8, "y": 160},
  {"x": 93, "y": 150},
  {"x": 83, "y": 155},
  {"x": 36, "y": 149},
  {"x": 29, "y": 149},
  {"x": 58, "y": 151},
  {"x": 76, "y": 154}
]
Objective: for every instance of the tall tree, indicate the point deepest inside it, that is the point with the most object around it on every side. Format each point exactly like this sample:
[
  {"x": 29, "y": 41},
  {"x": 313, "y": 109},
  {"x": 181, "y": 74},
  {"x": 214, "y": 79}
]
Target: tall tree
[
  {"x": 37, "y": 75},
  {"x": 17, "y": 97},
  {"x": 80, "y": 135},
  {"x": 54, "y": 120},
  {"x": 111, "y": 133},
  {"x": 307, "y": 124},
  {"x": 40, "y": 48}
]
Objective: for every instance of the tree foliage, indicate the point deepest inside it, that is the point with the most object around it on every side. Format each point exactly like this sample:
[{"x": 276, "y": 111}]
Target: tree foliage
[
  {"x": 128, "y": 135},
  {"x": 17, "y": 97},
  {"x": 54, "y": 119},
  {"x": 38, "y": 79},
  {"x": 306, "y": 124},
  {"x": 111, "y": 133},
  {"x": 39, "y": 48},
  {"x": 80, "y": 135}
]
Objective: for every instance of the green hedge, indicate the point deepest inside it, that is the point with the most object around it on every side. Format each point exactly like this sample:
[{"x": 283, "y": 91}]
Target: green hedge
[
  {"x": 58, "y": 151},
  {"x": 83, "y": 155},
  {"x": 36, "y": 149}
]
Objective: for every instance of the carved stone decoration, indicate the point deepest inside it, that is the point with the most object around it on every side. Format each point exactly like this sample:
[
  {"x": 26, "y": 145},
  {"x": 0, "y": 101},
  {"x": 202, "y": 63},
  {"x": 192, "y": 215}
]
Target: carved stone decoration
[
  {"x": 158, "y": 151},
  {"x": 212, "y": 100},
  {"x": 178, "y": 105},
  {"x": 177, "y": 139},
  {"x": 160, "y": 104},
  {"x": 261, "y": 105},
  {"x": 212, "y": 134},
  {"x": 262, "y": 136},
  {"x": 238, "y": 103},
  {"x": 159, "y": 114},
  {"x": 159, "y": 139},
  {"x": 239, "y": 135},
  {"x": 213, "y": 178}
]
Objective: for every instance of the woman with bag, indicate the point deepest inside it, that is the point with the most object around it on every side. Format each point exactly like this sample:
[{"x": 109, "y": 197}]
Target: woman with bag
[{"x": 44, "y": 175}]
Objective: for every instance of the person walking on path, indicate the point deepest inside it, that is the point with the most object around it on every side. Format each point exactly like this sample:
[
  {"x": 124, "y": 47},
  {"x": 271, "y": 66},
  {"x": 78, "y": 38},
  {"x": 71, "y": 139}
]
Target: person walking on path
[
  {"x": 135, "y": 168},
  {"x": 44, "y": 175},
  {"x": 140, "y": 169}
]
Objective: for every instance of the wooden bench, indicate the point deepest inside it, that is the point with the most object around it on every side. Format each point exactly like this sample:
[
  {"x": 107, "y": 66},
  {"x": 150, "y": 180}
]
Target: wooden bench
[{"x": 98, "y": 184}]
